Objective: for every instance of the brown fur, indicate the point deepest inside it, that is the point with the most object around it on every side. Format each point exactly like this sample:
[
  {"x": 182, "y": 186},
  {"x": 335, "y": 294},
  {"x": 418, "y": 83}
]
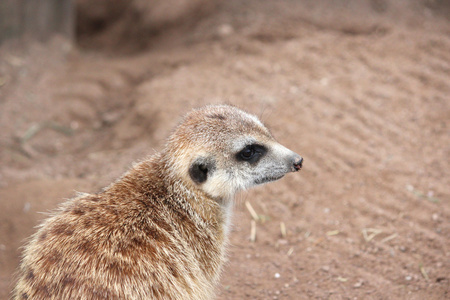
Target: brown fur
[{"x": 153, "y": 234}]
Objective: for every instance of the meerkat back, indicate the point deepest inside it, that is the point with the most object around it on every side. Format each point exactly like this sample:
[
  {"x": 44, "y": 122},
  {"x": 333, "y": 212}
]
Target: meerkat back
[{"x": 160, "y": 231}]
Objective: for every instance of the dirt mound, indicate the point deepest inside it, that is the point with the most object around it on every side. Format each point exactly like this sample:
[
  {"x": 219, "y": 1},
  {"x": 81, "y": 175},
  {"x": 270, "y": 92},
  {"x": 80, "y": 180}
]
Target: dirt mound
[
  {"x": 130, "y": 25},
  {"x": 358, "y": 88}
]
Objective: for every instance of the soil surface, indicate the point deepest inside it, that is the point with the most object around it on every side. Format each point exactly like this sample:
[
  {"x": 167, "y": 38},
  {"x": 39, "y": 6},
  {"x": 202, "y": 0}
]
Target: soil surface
[{"x": 360, "y": 90}]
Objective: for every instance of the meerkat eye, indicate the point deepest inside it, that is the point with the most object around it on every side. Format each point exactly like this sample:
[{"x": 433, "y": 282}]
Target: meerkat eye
[
  {"x": 251, "y": 153},
  {"x": 247, "y": 152}
]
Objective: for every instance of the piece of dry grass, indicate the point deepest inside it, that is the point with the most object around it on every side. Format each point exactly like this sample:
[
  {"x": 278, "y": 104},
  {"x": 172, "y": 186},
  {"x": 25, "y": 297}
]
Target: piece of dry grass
[
  {"x": 424, "y": 272},
  {"x": 251, "y": 211},
  {"x": 388, "y": 238},
  {"x": 370, "y": 233},
  {"x": 253, "y": 231},
  {"x": 283, "y": 229},
  {"x": 333, "y": 232},
  {"x": 36, "y": 128},
  {"x": 290, "y": 251}
]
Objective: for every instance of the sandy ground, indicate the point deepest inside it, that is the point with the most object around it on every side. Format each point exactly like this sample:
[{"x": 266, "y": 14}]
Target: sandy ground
[{"x": 361, "y": 91}]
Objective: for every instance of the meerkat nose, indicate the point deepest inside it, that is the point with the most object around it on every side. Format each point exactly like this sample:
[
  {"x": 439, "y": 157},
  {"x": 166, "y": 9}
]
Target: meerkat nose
[{"x": 298, "y": 164}]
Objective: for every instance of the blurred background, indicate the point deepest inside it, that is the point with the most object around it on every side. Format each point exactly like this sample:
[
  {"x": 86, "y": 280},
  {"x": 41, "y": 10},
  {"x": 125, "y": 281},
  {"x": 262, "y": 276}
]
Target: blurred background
[{"x": 360, "y": 89}]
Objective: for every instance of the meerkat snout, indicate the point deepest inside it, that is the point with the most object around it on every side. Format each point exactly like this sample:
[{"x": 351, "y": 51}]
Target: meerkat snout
[
  {"x": 160, "y": 231},
  {"x": 298, "y": 164}
]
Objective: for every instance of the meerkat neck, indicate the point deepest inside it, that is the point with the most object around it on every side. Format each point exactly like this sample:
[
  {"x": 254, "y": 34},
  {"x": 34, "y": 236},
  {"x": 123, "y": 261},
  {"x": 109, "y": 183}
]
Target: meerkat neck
[
  {"x": 206, "y": 211},
  {"x": 211, "y": 212}
]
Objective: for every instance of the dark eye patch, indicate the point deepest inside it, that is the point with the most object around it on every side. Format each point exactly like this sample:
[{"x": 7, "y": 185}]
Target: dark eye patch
[{"x": 251, "y": 153}]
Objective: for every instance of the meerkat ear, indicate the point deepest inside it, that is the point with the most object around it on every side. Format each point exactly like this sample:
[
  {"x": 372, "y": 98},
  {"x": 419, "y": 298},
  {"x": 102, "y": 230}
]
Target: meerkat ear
[{"x": 200, "y": 169}]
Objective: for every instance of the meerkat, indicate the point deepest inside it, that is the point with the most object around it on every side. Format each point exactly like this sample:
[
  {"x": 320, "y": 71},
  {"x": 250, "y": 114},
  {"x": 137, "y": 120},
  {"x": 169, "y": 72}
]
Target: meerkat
[{"x": 160, "y": 231}]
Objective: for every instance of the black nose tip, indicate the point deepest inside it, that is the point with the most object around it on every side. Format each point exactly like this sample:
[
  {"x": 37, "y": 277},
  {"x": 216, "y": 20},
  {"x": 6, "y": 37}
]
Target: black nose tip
[{"x": 298, "y": 164}]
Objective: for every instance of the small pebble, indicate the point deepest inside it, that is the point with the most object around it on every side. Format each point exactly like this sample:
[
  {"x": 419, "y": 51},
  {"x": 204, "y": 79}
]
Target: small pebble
[
  {"x": 324, "y": 81},
  {"x": 74, "y": 125},
  {"x": 358, "y": 284},
  {"x": 225, "y": 29},
  {"x": 326, "y": 268},
  {"x": 282, "y": 242},
  {"x": 408, "y": 278},
  {"x": 26, "y": 207},
  {"x": 294, "y": 90},
  {"x": 277, "y": 275}
]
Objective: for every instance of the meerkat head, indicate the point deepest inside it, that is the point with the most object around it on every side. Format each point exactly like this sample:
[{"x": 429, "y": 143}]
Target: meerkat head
[{"x": 221, "y": 150}]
